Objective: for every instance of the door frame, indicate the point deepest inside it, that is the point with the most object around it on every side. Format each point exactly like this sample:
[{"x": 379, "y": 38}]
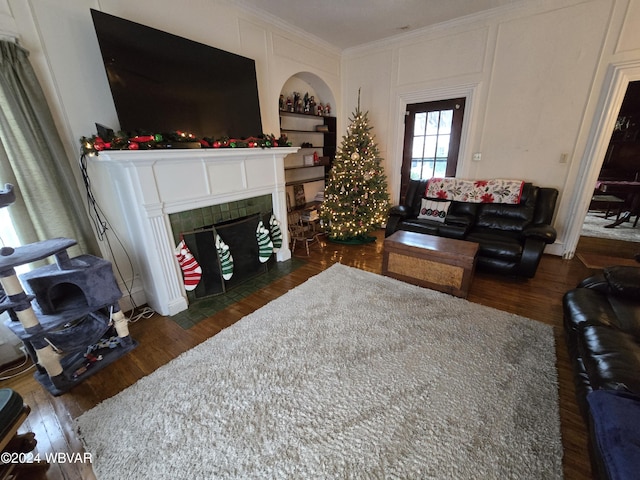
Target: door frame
[
  {"x": 469, "y": 93},
  {"x": 614, "y": 88}
]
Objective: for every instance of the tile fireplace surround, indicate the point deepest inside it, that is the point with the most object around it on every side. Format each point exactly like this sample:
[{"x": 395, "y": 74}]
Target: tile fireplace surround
[{"x": 152, "y": 184}]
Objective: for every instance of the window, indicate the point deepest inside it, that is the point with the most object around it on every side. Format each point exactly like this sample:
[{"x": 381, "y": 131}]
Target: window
[
  {"x": 8, "y": 236},
  {"x": 431, "y": 136}
]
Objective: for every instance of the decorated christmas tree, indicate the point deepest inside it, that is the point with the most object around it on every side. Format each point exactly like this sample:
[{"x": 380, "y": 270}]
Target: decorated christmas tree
[{"x": 356, "y": 200}]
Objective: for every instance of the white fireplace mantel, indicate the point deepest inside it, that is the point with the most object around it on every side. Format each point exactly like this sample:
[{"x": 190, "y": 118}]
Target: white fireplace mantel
[{"x": 152, "y": 184}]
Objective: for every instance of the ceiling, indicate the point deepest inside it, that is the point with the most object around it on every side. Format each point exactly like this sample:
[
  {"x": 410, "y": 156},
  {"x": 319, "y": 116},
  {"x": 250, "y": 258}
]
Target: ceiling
[{"x": 349, "y": 23}]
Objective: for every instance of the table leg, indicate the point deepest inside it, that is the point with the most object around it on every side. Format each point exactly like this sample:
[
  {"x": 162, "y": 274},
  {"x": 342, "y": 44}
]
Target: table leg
[{"x": 626, "y": 215}]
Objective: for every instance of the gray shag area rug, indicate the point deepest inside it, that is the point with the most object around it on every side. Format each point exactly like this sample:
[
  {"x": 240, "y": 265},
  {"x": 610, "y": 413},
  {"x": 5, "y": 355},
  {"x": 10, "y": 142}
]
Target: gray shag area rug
[
  {"x": 350, "y": 375},
  {"x": 594, "y": 224}
]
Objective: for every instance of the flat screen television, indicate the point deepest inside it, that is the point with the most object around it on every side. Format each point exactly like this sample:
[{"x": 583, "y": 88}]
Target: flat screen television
[{"x": 163, "y": 83}]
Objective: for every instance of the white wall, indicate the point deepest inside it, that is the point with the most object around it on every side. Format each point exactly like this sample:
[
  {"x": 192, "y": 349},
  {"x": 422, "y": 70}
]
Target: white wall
[
  {"x": 63, "y": 46},
  {"x": 532, "y": 74},
  {"x": 535, "y": 76},
  {"x": 66, "y": 56}
]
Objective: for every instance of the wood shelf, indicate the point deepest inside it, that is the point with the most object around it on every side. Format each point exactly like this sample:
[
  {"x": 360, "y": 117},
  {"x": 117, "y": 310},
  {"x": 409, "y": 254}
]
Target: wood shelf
[
  {"x": 313, "y": 205},
  {"x": 306, "y": 180},
  {"x": 304, "y": 128},
  {"x": 298, "y": 167},
  {"x": 286, "y": 113},
  {"x": 286, "y": 130}
]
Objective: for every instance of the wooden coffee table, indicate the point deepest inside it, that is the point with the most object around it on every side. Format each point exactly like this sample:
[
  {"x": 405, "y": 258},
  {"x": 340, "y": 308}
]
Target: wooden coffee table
[{"x": 439, "y": 263}]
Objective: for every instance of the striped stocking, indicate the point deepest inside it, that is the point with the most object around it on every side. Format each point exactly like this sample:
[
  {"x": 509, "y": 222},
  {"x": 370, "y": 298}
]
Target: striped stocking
[
  {"x": 276, "y": 233},
  {"x": 226, "y": 260},
  {"x": 191, "y": 271},
  {"x": 265, "y": 245}
]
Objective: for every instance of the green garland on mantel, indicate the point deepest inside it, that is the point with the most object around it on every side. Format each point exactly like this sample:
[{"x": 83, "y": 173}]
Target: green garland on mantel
[{"x": 121, "y": 141}]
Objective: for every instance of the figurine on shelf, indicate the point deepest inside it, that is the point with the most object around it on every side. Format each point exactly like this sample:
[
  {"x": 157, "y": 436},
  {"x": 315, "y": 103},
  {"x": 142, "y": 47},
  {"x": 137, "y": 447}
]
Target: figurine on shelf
[
  {"x": 281, "y": 103},
  {"x": 296, "y": 102},
  {"x": 320, "y": 111},
  {"x": 289, "y": 105},
  {"x": 327, "y": 109},
  {"x": 312, "y": 105},
  {"x": 307, "y": 103}
]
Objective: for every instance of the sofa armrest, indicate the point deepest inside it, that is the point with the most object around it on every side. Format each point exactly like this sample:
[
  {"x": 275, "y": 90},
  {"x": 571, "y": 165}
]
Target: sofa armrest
[
  {"x": 546, "y": 233},
  {"x": 396, "y": 215},
  {"x": 595, "y": 282},
  {"x": 623, "y": 281},
  {"x": 619, "y": 280},
  {"x": 399, "y": 211}
]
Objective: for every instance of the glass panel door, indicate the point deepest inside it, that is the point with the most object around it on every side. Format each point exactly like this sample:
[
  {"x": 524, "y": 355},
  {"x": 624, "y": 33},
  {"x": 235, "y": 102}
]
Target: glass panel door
[{"x": 432, "y": 140}]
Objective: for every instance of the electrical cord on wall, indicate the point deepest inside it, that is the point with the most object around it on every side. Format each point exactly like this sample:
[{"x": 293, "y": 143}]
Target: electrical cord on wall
[{"x": 102, "y": 227}]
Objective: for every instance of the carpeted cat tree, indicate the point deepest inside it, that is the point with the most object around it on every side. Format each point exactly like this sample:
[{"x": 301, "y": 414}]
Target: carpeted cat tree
[{"x": 67, "y": 315}]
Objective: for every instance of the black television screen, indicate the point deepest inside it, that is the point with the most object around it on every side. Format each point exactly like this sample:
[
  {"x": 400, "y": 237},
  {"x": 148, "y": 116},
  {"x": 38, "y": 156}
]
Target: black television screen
[{"x": 163, "y": 83}]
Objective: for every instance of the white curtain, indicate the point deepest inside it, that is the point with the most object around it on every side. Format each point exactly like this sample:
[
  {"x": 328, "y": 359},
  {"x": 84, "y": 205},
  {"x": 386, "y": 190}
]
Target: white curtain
[{"x": 32, "y": 158}]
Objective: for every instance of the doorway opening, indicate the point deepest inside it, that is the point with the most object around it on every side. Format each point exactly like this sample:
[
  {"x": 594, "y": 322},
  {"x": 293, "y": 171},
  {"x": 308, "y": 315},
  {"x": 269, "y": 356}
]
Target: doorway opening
[
  {"x": 618, "y": 78},
  {"x": 609, "y": 235},
  {"x": 615, "y": 206}
]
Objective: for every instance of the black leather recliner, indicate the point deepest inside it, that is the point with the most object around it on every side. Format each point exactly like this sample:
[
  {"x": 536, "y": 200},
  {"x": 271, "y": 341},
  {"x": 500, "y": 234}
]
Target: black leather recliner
[
  {"x": 512, "y": 238},
  {"x": 602, "y": 331}
]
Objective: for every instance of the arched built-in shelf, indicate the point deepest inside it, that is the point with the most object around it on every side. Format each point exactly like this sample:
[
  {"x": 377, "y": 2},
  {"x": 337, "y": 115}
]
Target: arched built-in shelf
[{"x": 315, "y": 134}]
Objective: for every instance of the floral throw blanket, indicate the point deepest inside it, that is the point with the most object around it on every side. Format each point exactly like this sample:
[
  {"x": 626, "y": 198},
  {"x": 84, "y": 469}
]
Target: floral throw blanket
[{"x": 475, "y": 191}]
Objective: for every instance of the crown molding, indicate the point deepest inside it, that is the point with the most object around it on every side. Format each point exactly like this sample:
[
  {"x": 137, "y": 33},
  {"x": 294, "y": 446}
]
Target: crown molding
[
  {"x": 266, "y": 17},
  {"x": 505, "y": 12}
]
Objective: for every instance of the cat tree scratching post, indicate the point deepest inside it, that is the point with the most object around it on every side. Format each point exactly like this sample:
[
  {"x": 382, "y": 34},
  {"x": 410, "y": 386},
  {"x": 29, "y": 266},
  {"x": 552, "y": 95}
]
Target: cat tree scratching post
[
  {"x": 21, "y": 305},
  {"x": 67, "y": 314},
  {"x": 69, "y": 317}
]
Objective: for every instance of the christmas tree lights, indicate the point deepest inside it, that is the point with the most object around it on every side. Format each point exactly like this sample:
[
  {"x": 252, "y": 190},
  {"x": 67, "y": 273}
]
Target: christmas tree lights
[{"x": 356, "y": 201}]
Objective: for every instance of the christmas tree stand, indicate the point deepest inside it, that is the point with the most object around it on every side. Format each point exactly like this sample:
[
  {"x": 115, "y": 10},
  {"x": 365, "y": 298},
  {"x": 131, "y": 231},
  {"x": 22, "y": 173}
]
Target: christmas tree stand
[
  {"x": 359, "y": 240},
  {"x": 67, "y": 316}
]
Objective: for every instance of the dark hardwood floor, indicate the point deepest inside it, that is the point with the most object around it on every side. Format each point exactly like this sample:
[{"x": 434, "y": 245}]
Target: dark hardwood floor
[{"x": 160, "y": 340}]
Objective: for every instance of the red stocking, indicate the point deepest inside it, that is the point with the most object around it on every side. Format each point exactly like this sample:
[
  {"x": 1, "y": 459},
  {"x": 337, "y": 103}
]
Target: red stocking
[{"x": 191, "y": 271}]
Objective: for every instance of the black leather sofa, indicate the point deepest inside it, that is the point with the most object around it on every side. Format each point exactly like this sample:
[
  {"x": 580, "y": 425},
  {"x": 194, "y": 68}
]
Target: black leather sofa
[
  {"x": 602, "y": 331},
  {"x": 512, "y": 238}
]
